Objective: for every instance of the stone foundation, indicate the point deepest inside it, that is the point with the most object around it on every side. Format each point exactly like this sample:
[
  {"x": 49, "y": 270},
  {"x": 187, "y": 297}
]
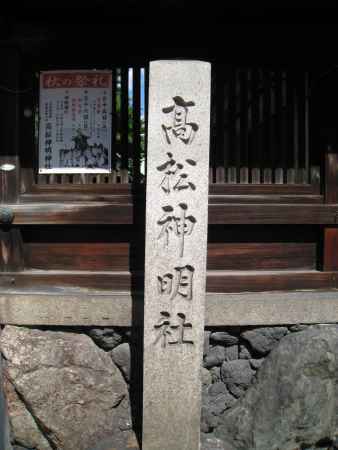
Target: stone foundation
[{"x": 263, "y": 388}]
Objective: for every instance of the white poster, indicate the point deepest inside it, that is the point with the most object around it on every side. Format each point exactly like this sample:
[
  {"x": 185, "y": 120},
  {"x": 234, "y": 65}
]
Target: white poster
[{"x": 75, "y": 121}]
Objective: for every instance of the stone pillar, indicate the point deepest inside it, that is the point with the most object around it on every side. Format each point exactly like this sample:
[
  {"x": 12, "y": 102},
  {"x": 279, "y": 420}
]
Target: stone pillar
[{"x": 176, "y": 244}]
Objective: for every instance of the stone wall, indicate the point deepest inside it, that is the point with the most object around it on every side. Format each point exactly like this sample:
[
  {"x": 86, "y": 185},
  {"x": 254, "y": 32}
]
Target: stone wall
[
  {"x": 4, "y": 426},
  {"x": 263, "y": 388}
]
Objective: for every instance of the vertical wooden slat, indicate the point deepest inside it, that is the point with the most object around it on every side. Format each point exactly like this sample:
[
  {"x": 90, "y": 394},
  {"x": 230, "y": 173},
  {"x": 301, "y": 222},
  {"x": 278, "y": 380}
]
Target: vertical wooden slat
[
  {"x": 284, "y": 125},
  {"x": 291, "y": 176},
  {"x": 306, "y": 126},
  {"x": 43, "y": 179},
  {"x": 52, "y": 179},
  {"x": 295, "y": 126},
  {"x": 267, "y": 175},
  {"x": 114, "y": 122},
  {"x": 290, "y": 120},
  {"x": 279, "y": 175},
  {"x": 232, "y": 175},
  {"x": 227, "y": 125},
  {"x": 237, "y": 146},
  {"x": 124, "y": 125},
  {"x": 243, "y": 82},
  {"x": 272, "y": 125},
  {"x": 244, "y": 175},
  {"x": 231, "y": 125},
  {"x": 256, "y": 175},
  {"x": 255, "y": 118},
  {"x": 315, "y": 176},
  {"x": 136, "y": 124},
  {"x": 267, "y": 121},
  {"x": 220, "y": 123},
  {"x": 278, "y": 113},
  {"x": 260, "y": 140}
]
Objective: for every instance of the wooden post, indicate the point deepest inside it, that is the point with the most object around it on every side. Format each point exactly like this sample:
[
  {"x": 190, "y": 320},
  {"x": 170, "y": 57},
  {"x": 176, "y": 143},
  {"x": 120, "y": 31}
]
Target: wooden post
[
  {"x": 9, "y": 125},
  {"x": 330, "y": 241},
  {"x": 11, "y": 252}
]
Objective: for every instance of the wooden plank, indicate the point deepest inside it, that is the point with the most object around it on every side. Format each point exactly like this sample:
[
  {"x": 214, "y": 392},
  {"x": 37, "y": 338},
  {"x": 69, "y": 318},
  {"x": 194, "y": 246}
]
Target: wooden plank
[
  {"x": 219, "y": 213},
  {"x": 261, "y": 256},
  {"x": 107, "y": 256},
  {"x": 271, "y": 214},
  {"x": 330, "y": 243},
  {"x": 217, "y": 281},
  {"x": 123, "y": 310},
  {"x": 269, "y": 198},
  {"x": 73, "y": 213},
  {"x": 66, "y": 281},
  {"x": 260, "y": 281},
  {"x": 77, "y": 255},
  {"x": 262, "y": 189}
]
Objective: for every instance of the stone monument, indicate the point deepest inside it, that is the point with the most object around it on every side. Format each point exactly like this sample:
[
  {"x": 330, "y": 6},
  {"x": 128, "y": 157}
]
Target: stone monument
[{"x": 176, "y": 246}]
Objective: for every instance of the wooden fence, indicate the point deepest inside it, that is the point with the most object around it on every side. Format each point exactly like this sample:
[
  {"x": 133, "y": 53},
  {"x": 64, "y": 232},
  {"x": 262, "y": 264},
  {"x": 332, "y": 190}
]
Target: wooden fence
[{"x": 260, "y": 128}]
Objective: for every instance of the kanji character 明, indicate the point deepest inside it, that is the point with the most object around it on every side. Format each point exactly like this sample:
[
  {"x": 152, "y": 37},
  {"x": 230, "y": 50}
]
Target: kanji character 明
[{"x": 179, "y": 284}]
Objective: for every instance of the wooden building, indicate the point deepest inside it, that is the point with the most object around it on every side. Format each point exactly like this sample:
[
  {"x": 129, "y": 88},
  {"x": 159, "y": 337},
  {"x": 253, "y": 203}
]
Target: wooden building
[{"x": 72, "y": 246}]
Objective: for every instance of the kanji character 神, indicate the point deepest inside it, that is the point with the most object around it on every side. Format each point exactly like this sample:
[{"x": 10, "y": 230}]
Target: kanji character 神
[{"x": 181, "y": 225}]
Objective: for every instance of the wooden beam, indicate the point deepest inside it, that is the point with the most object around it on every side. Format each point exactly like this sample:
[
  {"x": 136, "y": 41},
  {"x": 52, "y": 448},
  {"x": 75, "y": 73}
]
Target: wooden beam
[
  {"x": 123, "y": 310},
  {"x": 217, "y": 281},
  {"x": 116, "y": 213}
]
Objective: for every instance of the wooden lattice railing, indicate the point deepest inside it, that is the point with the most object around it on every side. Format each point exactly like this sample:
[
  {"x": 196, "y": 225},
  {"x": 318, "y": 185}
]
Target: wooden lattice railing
[{"x": 260, "y": 129}]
